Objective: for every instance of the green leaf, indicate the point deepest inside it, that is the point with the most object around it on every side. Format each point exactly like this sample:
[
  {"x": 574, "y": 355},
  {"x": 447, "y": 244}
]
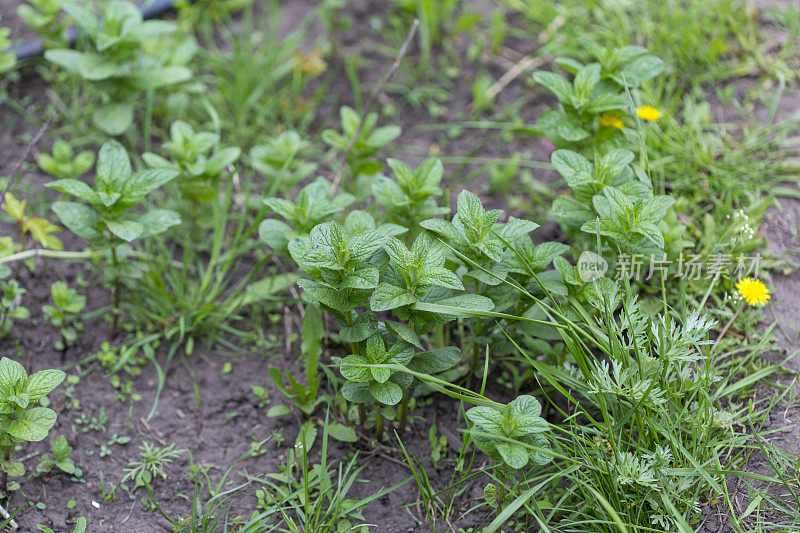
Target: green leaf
[
  {"x": 642, "y": 69},
  {"x": 387, "y": 297},
  {"x": 127, "y": 230},
  {"x": 366, "y": 278},
  {"x": 514, "y": 455},
  {"x": 435, "y": 361},
  {"x": 275, "y": 233},
  {"x": 157, "y": 221},
  {"x": 12, "y": 468},
  {"x": 555, "y": 84},
  {"x": 325, "y": 294},
  {"x": 353, "y": 369},
  {"x": 11, "y": 374},
  {"x": 341, "y": 432},
  {"x": 356, "y": 392},
  {"x": 140, "y": 184},
  {"x": 572, "y": 166},
  {"x": 43, "y": 382},
  {"x": 279, "y": 410},
  {"x": 81, "y": 219},
  {"x": 75, "y": 188},
  {"x": 32, "y": 424},
  {"x": 403, "y": 331},
  {"x": 388, "y": 393},
  {"x": 61, "y": 448},
  {"x": 113, "y": 119}
]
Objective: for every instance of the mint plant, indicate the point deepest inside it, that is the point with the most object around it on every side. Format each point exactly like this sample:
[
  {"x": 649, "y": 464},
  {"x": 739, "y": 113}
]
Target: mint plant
[
  {"x": 117, "y": 64},
  {"x": 593, "y": 103},
  {"x": 198, "y": 158},
  {"x": 512, "y": 436},
  {"x": 65, "y": 313},
  {"x": 410, "y": 197},
  {"x": 63, "y": 163},
  {"x": 314, "y": 205},
  {"x": 610, "y": 198},
  {"x": 20, "y": 419},
  {"x": 61, "y": 451},
  {"x": 105, "y": 218},
  {"x": 279, "y": 160},
  {"x": 366, "y": 139}
]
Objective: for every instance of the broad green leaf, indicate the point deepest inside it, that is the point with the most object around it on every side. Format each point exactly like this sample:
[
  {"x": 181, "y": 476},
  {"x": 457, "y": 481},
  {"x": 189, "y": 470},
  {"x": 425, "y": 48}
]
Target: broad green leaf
[
  {"x": 127, "y": 230},
  {"x": 388, "y": 297},
  {"x": 356, "y": 392},
  {"x": 325, "y": 294},
  {"x": 43, "y": 382},
  {"x": 113, "y": 119},
  {"x": 341, "y": 432},
  {"x": 555, "y": 84},
  {"x": 435, "y": 361},
  {"x": 61, "y": 448},
  {"x": 514, "y": 455},
  {"x": 12, "y": 376},
  {"x": 388, "y": 393},
  {"x": 403, "y": 331},
  {"x": 353, "y": 369},
  {"x": 32, "y": 424},
  {"x": 157, "y": 221},
  {"x": 75, "y": 188}
]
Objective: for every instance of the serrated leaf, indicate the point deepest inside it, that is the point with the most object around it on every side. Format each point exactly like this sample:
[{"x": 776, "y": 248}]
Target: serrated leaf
[
  {"x": 388, "y": 393},
  {"x": 32, "y": 424},
  {"x": 387, "y": 297}
]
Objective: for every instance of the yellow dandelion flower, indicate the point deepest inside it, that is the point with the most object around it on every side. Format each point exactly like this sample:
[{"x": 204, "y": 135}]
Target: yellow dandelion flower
[
  {"x": 753, "y": 291},
  {"x": 611, "y": 121},
  {"x": 647, "y": 112}
]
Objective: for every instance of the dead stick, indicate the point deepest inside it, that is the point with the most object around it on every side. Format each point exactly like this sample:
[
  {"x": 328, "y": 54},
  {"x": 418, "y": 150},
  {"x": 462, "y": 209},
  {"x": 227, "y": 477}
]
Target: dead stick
[
  {"x": 371, "y": 101},
  {"x": 725, "y": 329}
]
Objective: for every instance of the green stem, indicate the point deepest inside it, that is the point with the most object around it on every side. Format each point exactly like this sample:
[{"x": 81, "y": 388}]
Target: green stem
[
  {"x": 38, "y": 252},
  {"x": 4, "y": 481},
  {"x": 362, "y": 414},
  {"x": 404, "y": 411},
  {"x": 476, "y": 346},
  {"x": 378, "y": 423},
  {"x": 117, "y": 289}
]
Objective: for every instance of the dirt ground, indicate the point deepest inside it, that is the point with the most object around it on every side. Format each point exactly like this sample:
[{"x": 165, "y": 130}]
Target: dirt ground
[{"x": 220, "y": 429}]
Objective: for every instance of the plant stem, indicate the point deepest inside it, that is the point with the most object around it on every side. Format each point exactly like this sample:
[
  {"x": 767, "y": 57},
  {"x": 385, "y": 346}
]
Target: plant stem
[
  {"x": 117, "y": 291},
  {"x": 362, "y": 414},
  {"x": 404, "y": 411},
  {"x": 476, "y": 346},
  {"x": 378, "y": 423},
  {"x": 4, "y": 480}
]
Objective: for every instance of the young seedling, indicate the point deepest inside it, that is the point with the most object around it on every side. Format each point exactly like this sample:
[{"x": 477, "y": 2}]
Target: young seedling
[
  {"x": 108, "y": 221},
  {"x": 20, "y": 419},
  {"x": 63, "y": 163},
  {"x": 152, "y": 461},
  {"x": 65, "y": 314},
  {"x": 61, "y": 451},
  {"x": 512, "y": 436}
]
